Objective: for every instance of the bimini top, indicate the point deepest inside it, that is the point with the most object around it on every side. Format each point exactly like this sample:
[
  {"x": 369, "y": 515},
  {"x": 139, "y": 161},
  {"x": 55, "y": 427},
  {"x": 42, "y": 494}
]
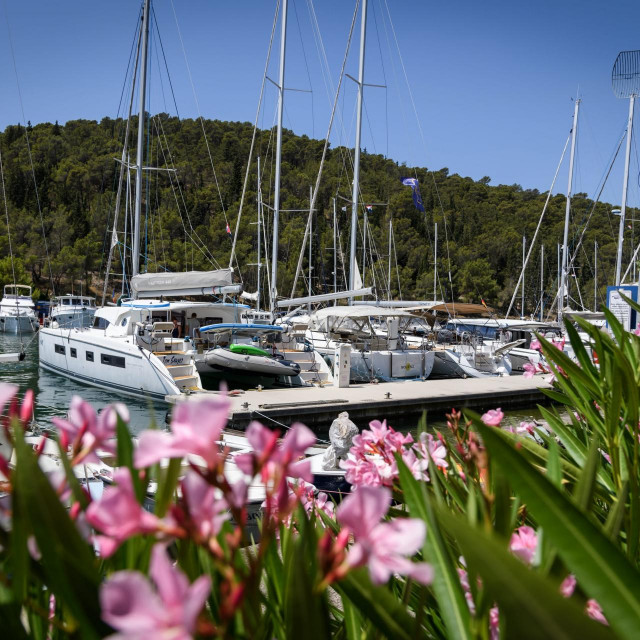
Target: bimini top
[
  {"x": 240, "y": 328},
  {"x": 359, "y": 311},
  {"x": 152, "y": 285}
]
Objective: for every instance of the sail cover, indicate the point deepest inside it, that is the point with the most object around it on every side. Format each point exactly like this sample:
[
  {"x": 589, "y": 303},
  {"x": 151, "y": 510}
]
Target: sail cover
[{"x": 149, "y": 285}]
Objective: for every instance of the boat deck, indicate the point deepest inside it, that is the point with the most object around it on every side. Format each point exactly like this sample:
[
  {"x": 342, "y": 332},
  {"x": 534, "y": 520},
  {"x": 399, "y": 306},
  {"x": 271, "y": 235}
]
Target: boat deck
[{"x": 401, "y": 403}]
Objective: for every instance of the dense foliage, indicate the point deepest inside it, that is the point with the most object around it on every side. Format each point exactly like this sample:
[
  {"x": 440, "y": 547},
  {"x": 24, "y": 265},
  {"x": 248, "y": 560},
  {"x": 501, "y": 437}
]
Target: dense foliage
[{"x": 74, "y": 182}]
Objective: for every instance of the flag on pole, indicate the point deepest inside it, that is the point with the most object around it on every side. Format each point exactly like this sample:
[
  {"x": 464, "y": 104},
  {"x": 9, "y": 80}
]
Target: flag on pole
[
  {"x": 344, "y": 208},
  {"x": 415, "y": 187},
  {"x": 369, "y": 207},
  {"x": 228, "y": 229}
]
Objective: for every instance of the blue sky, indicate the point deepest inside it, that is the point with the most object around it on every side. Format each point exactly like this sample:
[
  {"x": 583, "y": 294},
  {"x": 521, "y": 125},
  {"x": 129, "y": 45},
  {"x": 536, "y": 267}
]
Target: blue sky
[{"x": 493, "y": 81}]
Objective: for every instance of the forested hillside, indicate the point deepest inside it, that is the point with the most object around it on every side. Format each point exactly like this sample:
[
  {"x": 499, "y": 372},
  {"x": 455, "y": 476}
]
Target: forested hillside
[{"x": 62, "y": 212}]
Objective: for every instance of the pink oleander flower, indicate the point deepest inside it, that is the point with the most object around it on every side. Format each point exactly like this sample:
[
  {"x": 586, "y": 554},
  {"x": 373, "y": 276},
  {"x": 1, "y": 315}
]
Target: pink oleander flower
[
  {"x": 636, "y": 332},
  {"x": 272, "y": 457},
  {"x": 535, "y": 345},
  {"x": 206, "y": 509},
  {"x": 524, "y": 543},
  {"x": 558, "y": 344},
  {"x": 594, "y": 611},
  {"x": 493, "y": 417},
  {"x": 131, "y": 606},
  {"x": 605, "y": 455},
  {"x": 7, "y": 394},
  {"x": 365, "y": 470},
  {"x": 196, "y": 426},
  {"x": 526, "y": 427},
  {"x": 87, "y": 431},
  {"x": 550, "y": 379},
  {"x": 466, "y": 588},
  {"x": 381, "y": 435},
  {"x": 26, "y": 408},
  {"x": 312, "y": 502},
  {"x": 529, "y": 370},
  {"x": 118, "y": 515},
  {"x": 435, "y": 448},
  {"x": 417, "y": 466},
  {"x": 494, "y": 623},
  {"x": 382, "y": 546},
  {"x": 568, "y": 586}
]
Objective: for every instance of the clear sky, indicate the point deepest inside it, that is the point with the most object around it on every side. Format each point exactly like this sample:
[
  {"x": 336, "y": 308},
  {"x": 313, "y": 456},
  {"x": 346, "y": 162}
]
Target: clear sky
[{"x": 493, "y": 81}]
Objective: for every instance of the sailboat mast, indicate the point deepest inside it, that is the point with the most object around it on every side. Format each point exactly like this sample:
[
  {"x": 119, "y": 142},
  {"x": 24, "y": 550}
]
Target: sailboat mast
[
  {"x": 563, "y": 271},
  {"x": 259, "y": 234},
  {"x": 595, "y": 276},
  {"x": 389, "y": 273},
  {"x": 435, "y": 260},
  {"x": 356, "y": 159},
  {"x": 524, "y": 253},
  {"x": 625, "y": 184},
  {"x": 541, "y": 282},
  {"x": 276, "y": 189},
  {"x": 139, "y": 157},
  {"x": 335, "y": 252}
]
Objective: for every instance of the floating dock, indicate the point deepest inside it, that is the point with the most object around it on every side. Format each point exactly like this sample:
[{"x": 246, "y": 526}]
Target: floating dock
[{"x": 400, "y": 403}]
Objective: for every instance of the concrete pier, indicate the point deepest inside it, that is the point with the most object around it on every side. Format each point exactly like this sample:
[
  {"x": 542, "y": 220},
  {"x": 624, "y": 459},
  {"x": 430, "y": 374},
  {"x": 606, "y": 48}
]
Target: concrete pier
[{"x": 401, "y": 403}]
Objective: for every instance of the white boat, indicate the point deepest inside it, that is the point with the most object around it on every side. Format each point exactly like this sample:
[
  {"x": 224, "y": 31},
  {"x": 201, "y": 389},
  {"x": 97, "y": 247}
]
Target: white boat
[
  {"x": 71, "y": 311},
  {"x": 374, "y": 355},
  {"x": 17, "y": 311}
]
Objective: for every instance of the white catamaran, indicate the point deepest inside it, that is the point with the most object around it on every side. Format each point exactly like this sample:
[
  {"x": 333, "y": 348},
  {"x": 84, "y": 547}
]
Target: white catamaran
[{"x": 17, "y": 311}]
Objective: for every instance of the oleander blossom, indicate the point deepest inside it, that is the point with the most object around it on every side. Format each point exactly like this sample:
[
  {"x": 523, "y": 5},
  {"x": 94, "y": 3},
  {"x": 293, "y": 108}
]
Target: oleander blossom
[
  {"x": 205, "y": 510},
  {"x": 524, "y": 543},
  {"x": 196, "y": 426},
  {"x": 594, "y": 611},
  {"x": 433, "y": 448},
  {"x": 493, "y": 417},
  {"x": 87, "y": 431},
  {"x": 133, "y": 607},
  {"x": 529, "y": 370},
  {"x": 384, "y": 547},
  {"x": 118, "y": 515}
]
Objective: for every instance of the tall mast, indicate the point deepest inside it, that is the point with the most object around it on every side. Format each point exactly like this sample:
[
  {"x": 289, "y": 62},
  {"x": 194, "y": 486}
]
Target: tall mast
[
  {"x": 435, "y": 261},
  {"x": 632, "y": 99},
  {"x": 565, "y": 252},
  {"x": 524, "y": 253},
  {"x": 139, "y": 157},
  {"x": 389, "y": 274},
  {"x": 356, "y": 160},
  {"x": 259, "y": 233},
  {"x": 310, "y": 242},
  {"x": 276, "y": 189},
  {"x": 541, "y": 282},
  {"x": 335, "y": 252},
  {"x": 595, "y": 276}
]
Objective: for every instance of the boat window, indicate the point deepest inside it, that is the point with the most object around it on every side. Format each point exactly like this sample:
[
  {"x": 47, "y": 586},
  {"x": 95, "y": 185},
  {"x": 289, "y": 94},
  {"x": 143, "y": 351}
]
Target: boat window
[
  {"x": 76, "y": 301},
  {"x": 59, "y": 349},
  {"x": 89, "y": 356},
  {"x": 124, "y": 322},
  {"x": 100, "y": 323},
  {"x": 113, "y": 361},
  {"x": 74, "y": 353},
  {"x": 210, "y": 320}
]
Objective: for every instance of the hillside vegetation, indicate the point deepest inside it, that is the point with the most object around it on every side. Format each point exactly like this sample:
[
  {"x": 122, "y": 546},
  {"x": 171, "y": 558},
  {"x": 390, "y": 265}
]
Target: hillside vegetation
[{"x": 480, "y": 226}]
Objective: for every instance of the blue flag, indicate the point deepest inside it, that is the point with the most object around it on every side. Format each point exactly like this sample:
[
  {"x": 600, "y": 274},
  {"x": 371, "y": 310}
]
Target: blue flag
[{"x": 415, "y": 187}]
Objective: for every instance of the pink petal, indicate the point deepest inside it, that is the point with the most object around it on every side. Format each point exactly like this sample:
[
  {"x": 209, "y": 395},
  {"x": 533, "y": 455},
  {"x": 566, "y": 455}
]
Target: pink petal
[
  {"x": 7, "y": 393},
  {"x": 171, "y": 583},
  {"x": 196, "y": 597},
  {"x": 201, "y": 420},
  {"x": 493, "y": 417},
  {"x": 297, "y": 440},
  {"x": 244, "y": 462},
  {"x": 130, "y": 605},
  {"x": 402, "y": 535},
  {"x": 259, "y": 437},
  {"x": 153, "y": 446},
  {"x": 363, "y": 509},
  {"x": 421, "y": 572},
  {"x": 301, "y": 469}
]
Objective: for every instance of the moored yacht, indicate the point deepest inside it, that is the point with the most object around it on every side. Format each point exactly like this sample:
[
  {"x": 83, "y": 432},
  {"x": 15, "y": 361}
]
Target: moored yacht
[
  {"x": 17, "y": 311},
  {"x": 70, "y": 311}
]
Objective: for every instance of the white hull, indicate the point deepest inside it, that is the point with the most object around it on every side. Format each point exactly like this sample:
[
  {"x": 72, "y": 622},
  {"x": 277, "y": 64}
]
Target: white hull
[
  {"x": 450, "y": 363},
  {"x": 18, "y": 324},
  {"x": 224, "y": 360},
  {"x": 138, "y": 372}
]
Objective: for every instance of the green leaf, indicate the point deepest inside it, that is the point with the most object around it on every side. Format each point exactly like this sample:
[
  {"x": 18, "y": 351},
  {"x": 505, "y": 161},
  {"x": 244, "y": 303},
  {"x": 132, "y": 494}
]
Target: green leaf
[
  {"x": 446, "y": 583},
  {"x": 601, "y": 570},
  {"x": 377, "y": 604},
  {"x": 352, "y": 621},
  {"x": 531, "y": 604},
  {"x": 584, "y": 488},
  {"x": 68, "y": 561},
  {"x": 167, "y": 483}
]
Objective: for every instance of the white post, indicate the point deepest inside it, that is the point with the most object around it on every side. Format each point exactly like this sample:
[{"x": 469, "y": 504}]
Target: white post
[
  {"x": 524, "y": 254},
  {"x": 356, "y": 160},
  {"x": 625, "y": 184},
  {"x": 541, "y": 282},
  {"x": 565, "y": 240},
  {"x": 135, "y": 269},
  {"x": 435, "y": 262},
  {"x": 276, "y": 188}
]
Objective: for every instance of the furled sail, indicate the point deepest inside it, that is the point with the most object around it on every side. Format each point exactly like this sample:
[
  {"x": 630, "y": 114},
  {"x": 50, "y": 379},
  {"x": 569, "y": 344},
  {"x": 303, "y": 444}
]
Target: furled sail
[{"x": 189, "y": 283}]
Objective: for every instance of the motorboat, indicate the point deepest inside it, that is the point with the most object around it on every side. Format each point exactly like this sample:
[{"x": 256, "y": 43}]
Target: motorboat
[
  {"x": 17, "y": 310},
  {"x": 71, "y": 311},
  {"x": 376, "y": 354}
]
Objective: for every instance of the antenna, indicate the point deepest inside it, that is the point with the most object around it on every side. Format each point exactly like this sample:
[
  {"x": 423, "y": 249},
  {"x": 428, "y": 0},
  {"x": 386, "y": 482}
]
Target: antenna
[{"x": 625, "y": 77}]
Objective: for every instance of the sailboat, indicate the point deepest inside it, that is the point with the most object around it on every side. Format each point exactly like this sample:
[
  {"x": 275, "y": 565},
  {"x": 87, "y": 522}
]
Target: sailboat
[{"x": 17, "y": 311}]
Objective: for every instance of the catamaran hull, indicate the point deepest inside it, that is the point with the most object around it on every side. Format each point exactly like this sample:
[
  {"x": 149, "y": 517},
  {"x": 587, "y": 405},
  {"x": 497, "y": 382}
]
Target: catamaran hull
[
  {"x": 18, "y": 324},
  {"x": 137, "y": 373},
  {"x": 225, "y": 360}
]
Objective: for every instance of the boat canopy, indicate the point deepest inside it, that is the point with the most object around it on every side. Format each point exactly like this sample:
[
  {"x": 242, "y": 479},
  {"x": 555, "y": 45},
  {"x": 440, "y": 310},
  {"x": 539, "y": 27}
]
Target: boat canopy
[
  {"x": 152, "y": 285},
  {"x": 359, "y": 311}
]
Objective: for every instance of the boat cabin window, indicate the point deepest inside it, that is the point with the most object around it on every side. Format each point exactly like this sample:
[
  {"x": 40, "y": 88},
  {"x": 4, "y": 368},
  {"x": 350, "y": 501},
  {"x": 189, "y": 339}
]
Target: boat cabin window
[
  {"x": 59, "y": 349},
  {"x": 209, "y": 320},
  {"x": 76, "y": 301},
  {"x": 74, "y": 353},
  {"x": 89, "y": 356},
  {"x": 100, "y": 323},
  {"x": 113, "y": 361}
]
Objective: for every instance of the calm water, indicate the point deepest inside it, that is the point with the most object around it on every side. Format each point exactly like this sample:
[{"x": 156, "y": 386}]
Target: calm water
[{"x": 54, "y": 392}]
